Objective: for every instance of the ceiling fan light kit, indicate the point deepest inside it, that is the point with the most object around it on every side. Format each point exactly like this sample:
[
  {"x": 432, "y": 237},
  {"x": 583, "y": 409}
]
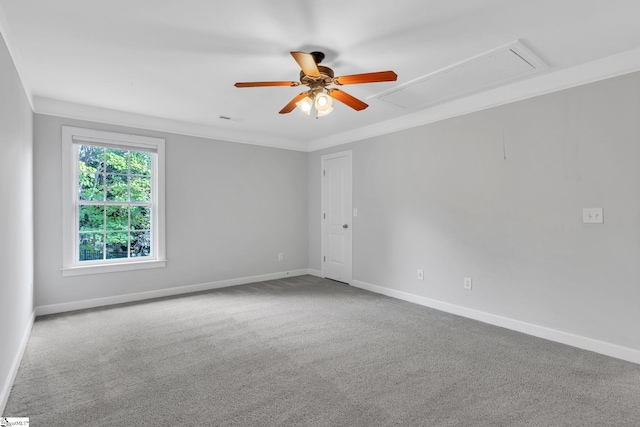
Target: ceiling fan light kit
[
  {"x": 321, "y": 101},
  {"x": 317, "y": 78}
]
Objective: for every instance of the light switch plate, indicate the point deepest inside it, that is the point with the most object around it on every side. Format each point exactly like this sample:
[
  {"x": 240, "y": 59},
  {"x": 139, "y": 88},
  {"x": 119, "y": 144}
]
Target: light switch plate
[{"x": 592, "y": 216}]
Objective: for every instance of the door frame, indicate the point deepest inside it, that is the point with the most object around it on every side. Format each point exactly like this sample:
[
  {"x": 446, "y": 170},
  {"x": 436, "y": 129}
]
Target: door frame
[{"x": 323, "y": 159}]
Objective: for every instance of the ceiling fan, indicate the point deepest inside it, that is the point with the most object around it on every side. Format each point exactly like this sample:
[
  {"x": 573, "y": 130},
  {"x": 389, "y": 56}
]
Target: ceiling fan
[{"x": 318, "y": 77}]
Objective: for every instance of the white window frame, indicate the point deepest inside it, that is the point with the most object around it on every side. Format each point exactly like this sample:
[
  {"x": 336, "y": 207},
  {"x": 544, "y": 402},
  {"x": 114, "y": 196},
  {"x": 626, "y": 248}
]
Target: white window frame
[{"x": 72, "y": 137}]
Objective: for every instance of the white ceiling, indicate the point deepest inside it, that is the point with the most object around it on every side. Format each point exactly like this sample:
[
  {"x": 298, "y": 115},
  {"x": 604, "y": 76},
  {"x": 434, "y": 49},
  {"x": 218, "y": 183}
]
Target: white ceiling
[{"x": 171, "y": 65}]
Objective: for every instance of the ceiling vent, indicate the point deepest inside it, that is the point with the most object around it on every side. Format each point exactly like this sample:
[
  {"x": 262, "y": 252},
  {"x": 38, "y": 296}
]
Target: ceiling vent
[
  {"x": 488, "y": 70},
  {"x": 233, "y": 119}
]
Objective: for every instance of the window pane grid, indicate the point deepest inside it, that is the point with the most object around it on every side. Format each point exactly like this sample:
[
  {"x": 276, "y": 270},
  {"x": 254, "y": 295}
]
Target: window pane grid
[
  {"x": 111, "y": 203},
  {"x": 114, "y": 184}
]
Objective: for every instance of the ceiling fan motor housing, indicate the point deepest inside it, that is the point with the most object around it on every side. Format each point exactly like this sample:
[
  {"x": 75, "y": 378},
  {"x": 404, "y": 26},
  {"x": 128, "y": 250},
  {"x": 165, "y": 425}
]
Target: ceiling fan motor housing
[{"x": 325, "y": 77}]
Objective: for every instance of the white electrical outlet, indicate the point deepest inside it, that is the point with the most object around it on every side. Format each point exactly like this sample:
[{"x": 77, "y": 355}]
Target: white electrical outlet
[
  {"x": 467, "y": 283},
  {"x": 280, "y": 256},
  {"x": 355, "y": 211},
  {"x": 420, "y": 275}
]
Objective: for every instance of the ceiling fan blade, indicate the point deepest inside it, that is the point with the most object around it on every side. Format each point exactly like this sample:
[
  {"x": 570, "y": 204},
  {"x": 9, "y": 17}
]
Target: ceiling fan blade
[
  {"x": 258, "y": 84},
  {"x": 307, "y": 63},
  {"x": 292, "y": 104},
  {"x": 380, "y": 76},
  {"x": 347, "y": 99}
]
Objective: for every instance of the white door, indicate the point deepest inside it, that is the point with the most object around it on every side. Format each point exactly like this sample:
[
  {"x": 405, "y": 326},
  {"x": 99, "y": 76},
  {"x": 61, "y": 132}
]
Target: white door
[{"x": 336, "y": 216}]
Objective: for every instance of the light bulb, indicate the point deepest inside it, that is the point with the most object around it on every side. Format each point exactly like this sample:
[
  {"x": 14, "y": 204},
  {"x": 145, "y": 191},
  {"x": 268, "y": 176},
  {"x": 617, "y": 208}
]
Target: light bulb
[
  {"x": 305, "y": 105},
  {"x": 323, "y": 102}
]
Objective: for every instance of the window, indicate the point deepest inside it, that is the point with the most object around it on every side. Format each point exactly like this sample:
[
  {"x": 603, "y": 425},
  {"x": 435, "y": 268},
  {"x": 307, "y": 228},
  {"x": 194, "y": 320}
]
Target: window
[{"x": 113, "y": 209}]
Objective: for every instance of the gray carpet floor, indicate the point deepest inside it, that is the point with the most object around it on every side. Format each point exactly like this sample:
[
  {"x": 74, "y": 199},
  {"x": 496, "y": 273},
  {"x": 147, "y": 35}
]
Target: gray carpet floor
[{"x": 308, "y": 352}]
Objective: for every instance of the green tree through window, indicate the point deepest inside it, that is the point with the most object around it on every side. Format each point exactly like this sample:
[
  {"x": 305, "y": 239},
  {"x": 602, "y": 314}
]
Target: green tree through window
[{"x": 114, "y": 203}]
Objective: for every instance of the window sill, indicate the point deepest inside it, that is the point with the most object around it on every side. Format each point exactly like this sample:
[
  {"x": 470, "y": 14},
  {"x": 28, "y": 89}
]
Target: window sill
[{"x": 112, "y": 268}]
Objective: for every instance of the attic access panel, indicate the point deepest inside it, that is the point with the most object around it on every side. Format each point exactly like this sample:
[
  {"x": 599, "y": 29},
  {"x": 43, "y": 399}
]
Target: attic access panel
[{"x": 494, "y": 68}]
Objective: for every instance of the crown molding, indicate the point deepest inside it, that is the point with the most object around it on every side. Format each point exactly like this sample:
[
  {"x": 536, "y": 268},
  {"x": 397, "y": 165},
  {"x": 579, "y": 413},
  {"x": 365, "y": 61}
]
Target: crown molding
[
  {"x": 54, "y": 107},
  {"x": 601, "y": 69}
]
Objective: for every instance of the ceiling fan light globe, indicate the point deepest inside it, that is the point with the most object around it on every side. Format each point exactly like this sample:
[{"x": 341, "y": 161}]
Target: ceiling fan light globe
[
  {"x": 322, "y": 113},
  {"x": 305, "y": 104},
  {"x": 323, "y": 102}
]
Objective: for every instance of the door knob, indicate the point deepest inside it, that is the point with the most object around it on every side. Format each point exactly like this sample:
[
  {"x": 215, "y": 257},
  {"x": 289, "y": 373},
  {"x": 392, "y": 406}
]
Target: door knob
[{"x": 345, "y": 226}]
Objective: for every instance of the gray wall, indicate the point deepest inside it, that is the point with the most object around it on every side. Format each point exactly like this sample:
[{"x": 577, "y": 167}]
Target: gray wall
[
  {"x": 443, "y": 198},
  {"x": 16, "y": 218},
  {"x": 231, "y": 208}
]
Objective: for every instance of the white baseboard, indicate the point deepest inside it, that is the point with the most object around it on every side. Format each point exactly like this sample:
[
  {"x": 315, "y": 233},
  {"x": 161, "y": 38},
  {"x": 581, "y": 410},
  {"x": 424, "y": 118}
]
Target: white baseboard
[
  {"x": 6, "y": 387},
  {"x": 119, "y": 299},
  {"x": 608, "y": 349},
  {"x": 316, "y": 273}
]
